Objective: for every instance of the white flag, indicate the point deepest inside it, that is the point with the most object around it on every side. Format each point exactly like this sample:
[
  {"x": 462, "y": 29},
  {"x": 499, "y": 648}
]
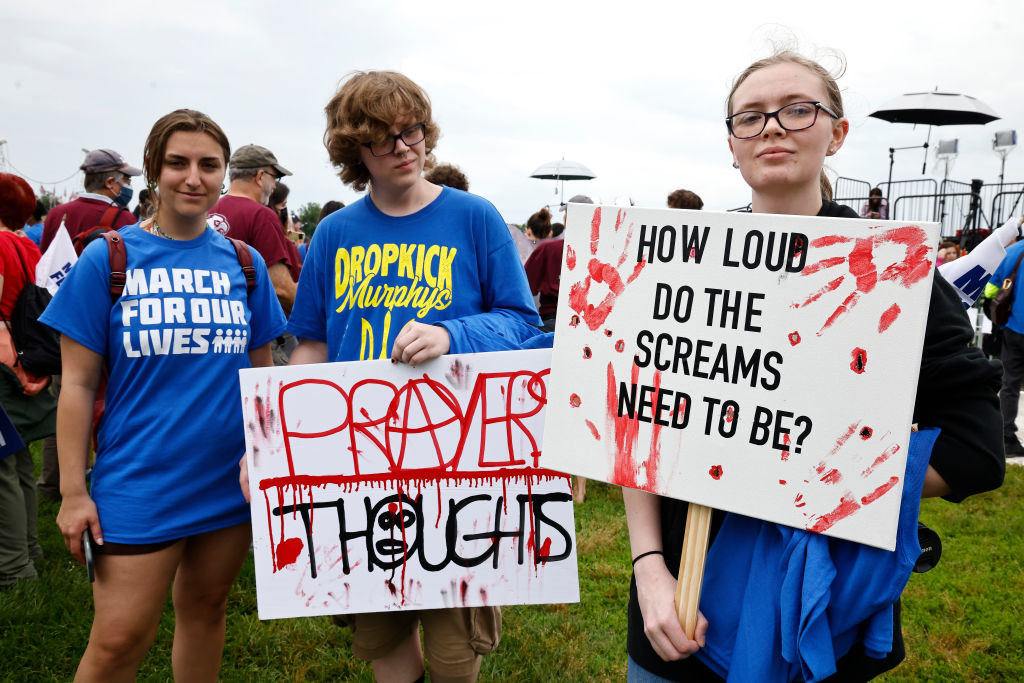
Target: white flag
[{"x": 57, "y": 261}]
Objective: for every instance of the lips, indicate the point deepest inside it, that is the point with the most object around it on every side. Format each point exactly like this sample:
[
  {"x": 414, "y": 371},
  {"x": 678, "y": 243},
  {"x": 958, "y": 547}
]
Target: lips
[
  {"x": 405, "y": 165},
  {"x": 774, "y": 153}
]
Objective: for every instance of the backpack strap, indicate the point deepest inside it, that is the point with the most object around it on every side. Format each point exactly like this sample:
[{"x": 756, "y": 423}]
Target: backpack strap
[
  {"x": 118, "y": 263},
  {"x": 109, "y": 216},
  {"x": 245, "y": 260}
]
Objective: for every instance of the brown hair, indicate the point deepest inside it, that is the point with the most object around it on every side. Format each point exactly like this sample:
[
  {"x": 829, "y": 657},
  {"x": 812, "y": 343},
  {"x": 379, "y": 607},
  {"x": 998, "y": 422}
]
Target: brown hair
[
  {"x": 450, "y": 175},
  {"x": 363, "y": 110},
  {"x": 833, "y": 97},
  {"x": 540, "y": 224},
  {"x": 184, "y": 120},
  {"x": 17, "y": 201},
  {"x": 684, "y": 199}
]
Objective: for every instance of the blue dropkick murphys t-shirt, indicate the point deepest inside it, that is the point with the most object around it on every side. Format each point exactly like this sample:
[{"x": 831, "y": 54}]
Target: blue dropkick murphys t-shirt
[
  {"x": 453, "y": 263},
  {"x": 171, "y": 436}
]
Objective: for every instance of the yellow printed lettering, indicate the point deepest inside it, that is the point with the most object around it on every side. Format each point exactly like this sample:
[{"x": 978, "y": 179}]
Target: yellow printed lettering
[
  {"x": 373, "y": 253},
  {"x": 405, "y": 261},
  {"x": 444, "y": 274},
  {"x": 390, "y": 256},
  {"x": 431, "y": 254},
  {"x": 341, "y": 274}
]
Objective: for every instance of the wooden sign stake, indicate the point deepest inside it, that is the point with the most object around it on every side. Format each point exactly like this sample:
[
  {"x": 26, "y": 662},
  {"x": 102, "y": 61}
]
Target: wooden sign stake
[{"x": 691, "y": 566}]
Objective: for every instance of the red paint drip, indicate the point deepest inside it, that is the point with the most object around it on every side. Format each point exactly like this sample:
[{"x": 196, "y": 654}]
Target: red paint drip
[
  {"x": 575, "y": 401},
  {"x": 654, "y": 457},
  {"x": 784, "y": 455},
  {"x": 794, "y": 338},
  {"x": 860, "y": 360},
  {"x": 782, "y": 481},
  {"x": 888, "y": 318},
  {"x": 593, "y": 430},
  {"x": 848, "y": 303},
  {"x": 620, "y": 346},
  {"x": 715, "y": 472},
  {"x": 847, "y": 506},
  {"x": 545, "y": 549},
  {"x": 880, "y": 491},
  {"x": 624, "y": 467},
  {"x": 595, "y": 230},
  {"x": 570, "y": 257},
  {"x": 288, "y": 551}
]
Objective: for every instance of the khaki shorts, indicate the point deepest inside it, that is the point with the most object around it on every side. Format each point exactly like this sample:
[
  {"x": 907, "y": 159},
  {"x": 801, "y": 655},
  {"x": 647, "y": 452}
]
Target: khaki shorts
[{"x": 454, "y": 639}]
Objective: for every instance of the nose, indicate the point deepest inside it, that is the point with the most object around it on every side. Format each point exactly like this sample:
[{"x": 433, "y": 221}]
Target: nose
[
  {"x": 400, "y": 141},
  {"x": 773, "y": 123},
  {"x": 193, "y": 175}
]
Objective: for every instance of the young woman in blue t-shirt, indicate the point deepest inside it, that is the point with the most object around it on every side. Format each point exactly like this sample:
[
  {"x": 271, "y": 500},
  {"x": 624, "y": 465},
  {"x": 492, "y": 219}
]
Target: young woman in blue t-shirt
[
  {"x": 164, "y": 505},
  {"x": 785, "y": 116}
]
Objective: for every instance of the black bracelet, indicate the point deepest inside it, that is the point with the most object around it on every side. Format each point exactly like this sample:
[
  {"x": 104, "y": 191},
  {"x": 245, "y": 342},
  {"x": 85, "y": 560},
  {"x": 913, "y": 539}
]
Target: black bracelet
[{"x": 643, "y": 555}]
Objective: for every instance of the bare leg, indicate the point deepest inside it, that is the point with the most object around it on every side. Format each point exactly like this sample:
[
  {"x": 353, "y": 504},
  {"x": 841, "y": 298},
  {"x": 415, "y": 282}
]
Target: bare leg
[
  {"x": 208, "y": 568},
  {"x": 129, "y": 595},
  {"x": 404, "y": 664},
  {"x": 579, "y": 492}
]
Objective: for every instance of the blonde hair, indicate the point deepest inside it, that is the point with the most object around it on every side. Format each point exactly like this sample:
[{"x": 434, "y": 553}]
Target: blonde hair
[
  {"x": 363, "y": 110},
  {"x": 833, "y": 97}
]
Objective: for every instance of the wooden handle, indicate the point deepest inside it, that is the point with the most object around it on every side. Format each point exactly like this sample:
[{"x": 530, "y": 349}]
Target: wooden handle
[{"x": 691, "y": 566}]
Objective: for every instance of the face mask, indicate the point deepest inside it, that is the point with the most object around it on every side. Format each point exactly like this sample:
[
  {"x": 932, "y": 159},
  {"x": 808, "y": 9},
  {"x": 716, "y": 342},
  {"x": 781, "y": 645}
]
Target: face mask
[{"x": 124, "y": 196}]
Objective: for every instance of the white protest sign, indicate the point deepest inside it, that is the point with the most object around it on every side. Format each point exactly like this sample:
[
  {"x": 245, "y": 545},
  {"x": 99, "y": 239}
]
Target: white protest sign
[
  {"x": 377, "y": 486},
  {"x": 761, "y": 364}
]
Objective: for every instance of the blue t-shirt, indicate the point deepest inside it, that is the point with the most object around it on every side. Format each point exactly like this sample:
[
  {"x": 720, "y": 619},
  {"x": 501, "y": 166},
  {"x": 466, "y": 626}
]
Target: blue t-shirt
[
  {"x": 1005, "y": 270},
  {"x": 302, "y": 250},
  {"x": 35, "y": 232},
  {"x": 452, "y": 263},
  {"x": 172, "y": 434}
]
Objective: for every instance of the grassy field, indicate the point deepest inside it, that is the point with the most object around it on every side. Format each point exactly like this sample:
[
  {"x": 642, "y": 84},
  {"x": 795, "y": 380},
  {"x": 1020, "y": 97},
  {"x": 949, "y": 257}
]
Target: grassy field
[{"x": 961, "y": 620}]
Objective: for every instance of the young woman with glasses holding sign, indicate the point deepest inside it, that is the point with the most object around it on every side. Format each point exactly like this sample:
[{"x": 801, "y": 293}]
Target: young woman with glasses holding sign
[
  {"x": 165, "y": 506},
  {"x": 784, "y": 117}
]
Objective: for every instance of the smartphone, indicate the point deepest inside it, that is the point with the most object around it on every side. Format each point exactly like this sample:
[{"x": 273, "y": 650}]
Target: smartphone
[{"x": 90, "y": 565}]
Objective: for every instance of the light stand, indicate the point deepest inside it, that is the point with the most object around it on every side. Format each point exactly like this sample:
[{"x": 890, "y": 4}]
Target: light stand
[
  {"x": 892, "y": 160},
  {"x": 946, "y": 154},
  {"x": 1004, "y": 142}
]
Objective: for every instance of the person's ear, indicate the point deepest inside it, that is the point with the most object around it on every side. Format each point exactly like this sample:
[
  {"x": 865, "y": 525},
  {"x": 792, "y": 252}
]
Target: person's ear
[{"x": 839, "y": 131}]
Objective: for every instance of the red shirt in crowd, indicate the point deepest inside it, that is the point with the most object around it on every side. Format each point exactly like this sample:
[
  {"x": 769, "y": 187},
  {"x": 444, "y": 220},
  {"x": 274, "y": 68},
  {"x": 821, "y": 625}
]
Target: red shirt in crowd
[
  {"x": 14, "y": 273},
  {"x": 255, "y": 224},
  {"x": 543, "y": 270},
  {"x": 295, "y": 267},
  {"x": 81, "y": 215}
]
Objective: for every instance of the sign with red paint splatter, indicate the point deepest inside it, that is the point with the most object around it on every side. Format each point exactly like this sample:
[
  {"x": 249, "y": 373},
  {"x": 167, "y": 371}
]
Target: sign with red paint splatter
[
  {"x": 379, "y": 487},
  {"x": 756, "y": 363}
]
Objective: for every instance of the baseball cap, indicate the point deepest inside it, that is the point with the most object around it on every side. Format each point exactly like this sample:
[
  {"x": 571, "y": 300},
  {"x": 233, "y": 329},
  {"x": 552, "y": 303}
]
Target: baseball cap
[
  {"x": 254, "y": 156},
  {"x": 581, "y": 199},
  {"x": 100, "y": 160}
]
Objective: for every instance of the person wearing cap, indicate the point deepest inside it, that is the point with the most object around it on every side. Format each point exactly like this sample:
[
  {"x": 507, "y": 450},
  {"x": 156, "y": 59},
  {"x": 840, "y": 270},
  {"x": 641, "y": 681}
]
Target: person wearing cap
[
  {"x": 108, "y": 182},
  {"x": 243, "y": 214}
]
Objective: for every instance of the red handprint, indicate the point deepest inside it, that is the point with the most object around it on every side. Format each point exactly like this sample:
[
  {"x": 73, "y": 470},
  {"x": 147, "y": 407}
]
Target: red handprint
[
  {"x": 600, "y": 271},
  {"x": 912, "y": 267},
  {"x": 871, "y": 487}
]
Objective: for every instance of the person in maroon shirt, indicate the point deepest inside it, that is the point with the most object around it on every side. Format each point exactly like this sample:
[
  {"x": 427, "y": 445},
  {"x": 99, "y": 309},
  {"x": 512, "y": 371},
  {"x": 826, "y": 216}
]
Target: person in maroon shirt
[
  {"x": 242, "y": 214},
  {"x": 108, "y": 179}
]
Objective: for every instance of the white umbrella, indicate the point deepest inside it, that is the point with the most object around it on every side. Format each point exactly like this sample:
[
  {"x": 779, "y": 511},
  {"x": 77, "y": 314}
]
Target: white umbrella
[{"x": 563, "y": 170}]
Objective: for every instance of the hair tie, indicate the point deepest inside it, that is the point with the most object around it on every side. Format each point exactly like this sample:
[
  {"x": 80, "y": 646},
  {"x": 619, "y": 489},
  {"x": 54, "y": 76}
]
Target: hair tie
[{"x": 643, "y": 555}]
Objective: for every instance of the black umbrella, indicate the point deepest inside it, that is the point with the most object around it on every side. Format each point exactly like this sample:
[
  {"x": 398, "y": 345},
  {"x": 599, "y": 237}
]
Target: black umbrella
[{"x": 932, "y": 109}]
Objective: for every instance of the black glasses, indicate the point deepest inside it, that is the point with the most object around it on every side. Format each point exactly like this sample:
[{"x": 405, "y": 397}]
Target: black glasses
[
  {"x": 795, "y": 116},
  {"x": 272, "y": 174},
  {"x": 413, "y": 135}
]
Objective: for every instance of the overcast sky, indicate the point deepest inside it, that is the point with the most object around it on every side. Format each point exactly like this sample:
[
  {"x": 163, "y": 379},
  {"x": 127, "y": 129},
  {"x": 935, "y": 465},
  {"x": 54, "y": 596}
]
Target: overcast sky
[{"x": 635, "y": 90}]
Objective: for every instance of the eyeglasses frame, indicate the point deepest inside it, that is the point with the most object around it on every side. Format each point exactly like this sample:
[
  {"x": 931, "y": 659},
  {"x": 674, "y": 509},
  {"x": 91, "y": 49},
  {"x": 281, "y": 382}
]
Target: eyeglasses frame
[
  {"x": 394, "y": 140},
  {"x": 775, "y": 115}
]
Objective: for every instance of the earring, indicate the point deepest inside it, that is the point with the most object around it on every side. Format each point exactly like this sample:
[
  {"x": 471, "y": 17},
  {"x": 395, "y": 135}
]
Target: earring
[
  {"x": 831, "y": 150},
  {"x": 735, "y": 164}
]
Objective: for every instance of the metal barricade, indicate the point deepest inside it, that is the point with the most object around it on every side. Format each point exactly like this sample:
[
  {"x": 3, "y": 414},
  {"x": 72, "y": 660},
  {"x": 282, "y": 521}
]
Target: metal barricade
[
  {"x": 1007, "y": 201},
  {"x": 848, "y": 191},
  {"x": 923, "y": 207}
]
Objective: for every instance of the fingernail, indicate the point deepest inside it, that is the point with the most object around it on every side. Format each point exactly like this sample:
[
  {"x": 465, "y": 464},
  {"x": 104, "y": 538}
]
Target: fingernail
[{"x": 393, "y": 360}]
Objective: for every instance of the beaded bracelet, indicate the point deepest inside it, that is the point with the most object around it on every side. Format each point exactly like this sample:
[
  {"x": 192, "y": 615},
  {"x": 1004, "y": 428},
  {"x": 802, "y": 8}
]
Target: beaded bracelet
[{"x": 643, "y": 555}]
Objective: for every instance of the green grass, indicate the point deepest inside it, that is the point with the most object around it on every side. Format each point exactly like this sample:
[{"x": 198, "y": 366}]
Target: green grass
[{"x": 961, "y": 620}]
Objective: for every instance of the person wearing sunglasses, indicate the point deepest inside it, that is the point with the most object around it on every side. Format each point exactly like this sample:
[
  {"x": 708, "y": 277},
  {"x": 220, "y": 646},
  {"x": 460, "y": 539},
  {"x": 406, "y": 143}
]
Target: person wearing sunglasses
[{"x": 784, "y": 117}]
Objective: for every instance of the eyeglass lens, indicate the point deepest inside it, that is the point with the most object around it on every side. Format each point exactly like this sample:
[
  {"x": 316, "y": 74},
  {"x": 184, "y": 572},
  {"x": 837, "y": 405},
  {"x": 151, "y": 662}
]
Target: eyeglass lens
[{"x": 410, "y": 136}]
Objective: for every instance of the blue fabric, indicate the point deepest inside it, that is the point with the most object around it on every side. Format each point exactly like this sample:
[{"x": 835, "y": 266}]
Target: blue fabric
[
  {"x": 784, "y": 604},
  {"x": 171, "y": 435},
  {"x": 637, "y": 674},
  {"x": 1005, "y": 270},
  {"x": 35, "y": 233},
  {"x": 302, "y": 250},
  {"x": 453, "y": 263}
]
